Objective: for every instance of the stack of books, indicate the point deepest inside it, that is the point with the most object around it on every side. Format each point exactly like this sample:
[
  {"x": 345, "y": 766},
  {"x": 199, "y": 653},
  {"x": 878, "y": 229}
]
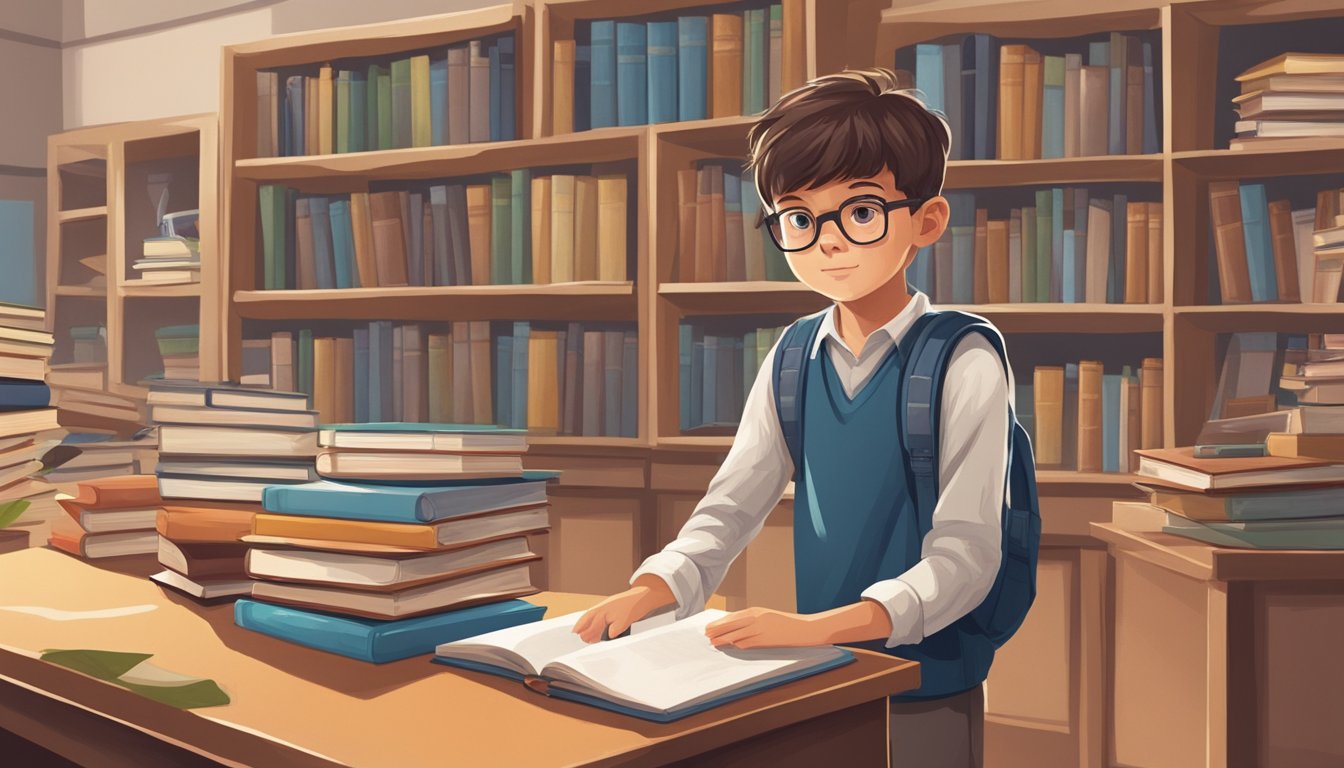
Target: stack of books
[
  {"x": 1291, "y": 96},
  {"x": 28, "y": 425},
  {"x": 110, "y": 517},
  {"x": 420, "y": 522},
  {"x": 1265, "y": 250},
  {"x": 1085, "y": 419},
  {"x": 632, "y": 72},
  {"x": 170, "y": 259},
  {"x": 716, "y": 371},
  {"x": 1316, "y": 374},
  {"x": 88, "y": 343},
  {"x": 1068, "y": 247},
  {"x": 718, "y": 237},
  {"x": 465, "y": 93},
  {"x": 25, "y": 345},
  {"x": 179, "y": 346},
  {"x": 517, "y": 229},
  {"x": 101, "y": 454},
  {"x": 1010, "y": 102}
]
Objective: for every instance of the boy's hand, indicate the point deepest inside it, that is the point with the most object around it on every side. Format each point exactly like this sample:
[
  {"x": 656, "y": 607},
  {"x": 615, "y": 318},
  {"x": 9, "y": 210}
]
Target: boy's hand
[
  {"x": 618, "y": 612},
  {"x": 764, "y": 628}
]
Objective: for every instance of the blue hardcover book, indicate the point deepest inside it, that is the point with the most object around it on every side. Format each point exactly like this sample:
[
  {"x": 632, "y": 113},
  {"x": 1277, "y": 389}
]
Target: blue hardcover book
[
  {"x": 1024, "y": 407},
  {"x": 1110, "y": 422},
  {"x": 359, "y": 104},
  {"x": 1068, "y": 281},
  {"x": 692, "y": 67},
  {"x": 1052, "y": 108},
  {"x": 402, "y": 503},
  {"x": 520, "y": 218},
  {"x": 986, "y": 112},
  {"x": 1151, "y": 140},
  {"x": 697, "y": 414},
  {"x": 303, "y": 367},
  {"x": 1080, "y": 210},
  {"x": 662, "y": 63},
  {"x": 583, "y": 75},
  {"x": 508, "y": 88},
  {"x": 380, "y": 641},
  {"x": 963, "y": 247},
  {"x": 709, "y": 400},
  {"x": 1057, "y": 244},
  {"x": 438, "y": 102},
  {"x": 342, "y": 245},
  {"x": 522, "y": 332},
  {"x": 954, "y": 103},
  {"x": 323, "y": 258},
  {"x": 602, "y": 107},
  {"x": 504, "y": 379},
  {"x": 496, "y": 81},
  {"x": 19, "y": 395},
  {"x": 380, "y": 370},
  {"x": 361, "y": 385},
  {"x": 1099, "y": 54},
  {"x": 632, "y": 73},
  {"x": 630, "y": 386},
  {"x": 294, "y": 95},
  {"x": 1259, "y": 247},
  {"x": 1116, "y": 112},
  {"x": 929, "y": 74},
  {"x": 920, "y": 272},
  {"x": 684, "y": 352}
]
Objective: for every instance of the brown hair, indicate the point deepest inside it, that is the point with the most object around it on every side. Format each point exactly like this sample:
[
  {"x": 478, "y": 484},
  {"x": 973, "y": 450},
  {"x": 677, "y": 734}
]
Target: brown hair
[{"x": 849, "y": 125}]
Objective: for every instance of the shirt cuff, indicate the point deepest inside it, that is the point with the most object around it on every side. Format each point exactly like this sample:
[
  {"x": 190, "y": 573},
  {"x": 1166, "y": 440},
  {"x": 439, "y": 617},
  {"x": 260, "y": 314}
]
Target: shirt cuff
[
  {"x": 904, "y": 608},
  {"x": 682, "y": 578}
]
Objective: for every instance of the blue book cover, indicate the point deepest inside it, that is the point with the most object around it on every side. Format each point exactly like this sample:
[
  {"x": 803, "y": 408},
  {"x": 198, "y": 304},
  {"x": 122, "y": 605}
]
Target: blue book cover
[
  {"x": 1110, "y": 422},
  {"x": 323, "y": 260},
  {"x": 342, "y": 245},
  {"x": 986, "y": 113},
  {"x": 496, "y": 79},
  {"x": 1116, "y": 112},
  {"x": 508, "y": 87},
  {"x": 630, "y": 386},
  {"x": 709, "y": 386},
  {"x": 662, "y": 63},
  {"x": 402, "y": 503},
  {"x": 632, "y": 74},
  {"x": 602, "y": 95},
  {"x": 380, "y": 641},
  {"x": 19, "y": 395},
  {"x": 929, "y": 74},
  {"x": 1069, "y": 279},
  {"x": 963, "y": 248},
  {"x": 1099, "y": 54},
  {"x": 1259, "y": 247},
  {"x": 359, "y": 104},
  {"x": 969, "y": 118},
  {"x": 522, "y": 332},
  {"x": 294, "y": 94},
  {"x": 381, "y": 356},
  {"x": 697, "y": 399},
  {"x": 503, "y": 379},
  {"x": 954, "y": 102},
  {"x": 1052, "y": 108},
  {"x": 1115, "y": 287},
  {"x": 1151, "y": 140},
  {"x": 692, "y": 67},
  {"x": 438, "y": 102},
  {"x": 1057, "y": 244},
  {"x": 684, "y": 352},
  {"x": 583, "y": 75},
  {"x": 361, "y": 385},
  {"x": 755, "y": 54}
]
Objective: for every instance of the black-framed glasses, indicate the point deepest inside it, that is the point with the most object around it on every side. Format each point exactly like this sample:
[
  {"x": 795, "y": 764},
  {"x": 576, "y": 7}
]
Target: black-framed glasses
[{"x": 862, "y": 220}]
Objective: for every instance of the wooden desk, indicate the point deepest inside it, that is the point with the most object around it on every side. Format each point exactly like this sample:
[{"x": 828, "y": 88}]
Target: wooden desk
[
  {"x": 1224, "y": 657},
  {"x": 292, "y": 706}
]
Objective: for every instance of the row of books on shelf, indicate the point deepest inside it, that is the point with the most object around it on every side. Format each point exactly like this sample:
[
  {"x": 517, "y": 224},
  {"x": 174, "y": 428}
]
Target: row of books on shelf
[
  {"x": 1067, "y": 248},
  {"x": 1009, "y": 102},
  {"x": 1080, "y": 417},
  {"x": 467, "y": 93},
  {"x": 1266, "y": 251},
  {"x": 719, "y": 236},
  {"x": 716, "y": 371},
  {"x": 1290, "y": 96},
  {"x": 571, "y": 380},
  {"x": 517, "y": 229},
  {"x": 632, "y": 72}
]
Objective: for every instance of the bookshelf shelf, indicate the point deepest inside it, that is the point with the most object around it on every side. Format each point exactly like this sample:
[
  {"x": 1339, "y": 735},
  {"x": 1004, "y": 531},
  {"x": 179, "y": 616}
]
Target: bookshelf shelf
[
  {"x": 974, "y": 174},
  {"x": 86, "y": 291},
  {"x": 136, "y": 289},
  {"x": 564, "y": 441},
  {"x": 1297, "y": 158},
  {"x": 82, "y": 214},
  {"x": 591, "y": 300}
]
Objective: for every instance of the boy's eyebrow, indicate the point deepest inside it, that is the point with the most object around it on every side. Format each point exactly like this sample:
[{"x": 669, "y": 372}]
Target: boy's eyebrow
[
  {"x": 858, "y": 184},
  {"x": 786, "y": 198}
]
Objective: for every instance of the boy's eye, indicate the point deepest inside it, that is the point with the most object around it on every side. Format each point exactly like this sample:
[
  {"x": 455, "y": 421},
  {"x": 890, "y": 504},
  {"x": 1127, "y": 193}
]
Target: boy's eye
[
  {"x": 798, "y": 220},
  {"x": 863, "y": 214}
]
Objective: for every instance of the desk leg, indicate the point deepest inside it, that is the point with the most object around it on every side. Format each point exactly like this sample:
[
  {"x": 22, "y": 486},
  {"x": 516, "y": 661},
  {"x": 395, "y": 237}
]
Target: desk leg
[{"x": 856, "y": 736}]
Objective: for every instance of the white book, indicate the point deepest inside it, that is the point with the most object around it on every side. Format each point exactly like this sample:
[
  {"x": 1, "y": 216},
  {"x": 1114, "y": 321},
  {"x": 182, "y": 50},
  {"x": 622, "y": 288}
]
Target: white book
[
  {"x": 487, "y": 586},
  {"x": 427, "y": 466},
  {"x": 661, "y": 671},
  {"x": 424, "y": 437},
  {"x": 206, "y": 589},
  {"x": 235, "y": 441},
  {"x": 373, "y": 571},
  {"x": 118, "y": 520},
  {"x": 199, "y": 416},
  {"x": 1098, "y": 250}
]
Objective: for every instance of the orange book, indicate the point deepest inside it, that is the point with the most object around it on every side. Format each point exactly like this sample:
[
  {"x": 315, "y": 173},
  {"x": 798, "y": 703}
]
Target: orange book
[
  {"x": 67, "y": 536},
  {"x": 543, "y": 383},
  {"x": 206, "y": 523},
  {"x": 1155, "y": 249},
  {"x": 326, "y": 110},
  {"x": 345, "y": 380},
  {"x": 1234, "y": 277},
  {"x": 611, "y": 227},
  {"x": 726, "y": 54},
  {"x": 562, "y": 88},
  {"x": 1136, "y": 254},
  {"x": 1089, "y": 416},
  {"x": 389, "y": 242},
  {"x": 1150, "y": 394},
  {"x": 370, "y": 536},
  {"x": 793, "y": 57},
  {"x": 541, "y": 230},
  {"x": 585, "y": 228},
  {"x": 1297, "y": 446},
  {"x": 366, "y": 263},
  {"x": 996, "y": 263},
  {"x": 1033, "y": 96},
  {"x": 980, "y": 272},
  {"x": 1285, "y": 249},
  {"x": 478, "y": 232},
  {"x": 562, "y": 228},
  {"x": 1094, "y": 103},
  {"x": 683, "y": 270},
  {"x": 324, "y": 379},
  {"x": 481, "y": 389},
  {"x": 1012, "y": 74},
  {"x": 1048, "y": 390},
  {"x": 305, "y": 266},
  {"x": 124, "y": 492},
  {"x": 1133, "y": 416},
  {"x": 703, "y": 269}
]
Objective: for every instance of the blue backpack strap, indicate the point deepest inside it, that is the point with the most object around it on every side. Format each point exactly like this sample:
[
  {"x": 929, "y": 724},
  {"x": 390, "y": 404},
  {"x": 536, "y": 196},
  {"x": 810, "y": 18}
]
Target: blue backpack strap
[
  {"x": 788, "y": 376},
  {"x": 931, "y": 342}
]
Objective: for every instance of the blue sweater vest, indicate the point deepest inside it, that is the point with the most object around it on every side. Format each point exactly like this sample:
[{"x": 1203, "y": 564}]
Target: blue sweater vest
[{"x": 855, "y": 523}]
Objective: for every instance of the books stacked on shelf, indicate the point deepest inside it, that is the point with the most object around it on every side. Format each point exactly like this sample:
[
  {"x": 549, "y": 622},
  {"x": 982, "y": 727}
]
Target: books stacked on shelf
[
  {"x": 716, "y": 371},
  {"x": 27, "y": 420},
  {"x": 101, "y": 454},
  {"x": 569, "y": 379},
  {"x": 718, "y": 237},
  {"x": 88, "y": 343},
  {"x": 670, "y": 68},
  {"x": 403, "y": 452},
  {"x": 1291, "y": 96},
  {"x": 464, "y": 93},
  {"x": 25, "y": 345},
  {"x": 27, "y": 499},
  {"x": 80, "y": 408},
  {"x": 1259, "y": 502},
  {"x": 1067, "y": 247},
  {"x": 110, "y": 517},
  {"x": 1265, "y": 250},
  {"x": 170, "y": 259},
  {"x": 256, "y": 363},
  {"x": 1324, "y": 252},
  {"x": 179, "y": 346},
  {"x": 382, "y": 571},
  {"x": 1314, "y": 371},
  {"x": 1084, "y": 419},
  {"x": 510, "y": 229},
  {"x": 1015, "y": 102}
]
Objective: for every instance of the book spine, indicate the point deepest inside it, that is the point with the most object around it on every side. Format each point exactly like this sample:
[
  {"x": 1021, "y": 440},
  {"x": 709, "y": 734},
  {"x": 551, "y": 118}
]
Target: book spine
[
  {"x": 1259, "y": 248},
  {"x": 685, "y": 350},
  {"x": 1234, "y": 279},
  {"x": 692, "y": 67},
  {"x": 611, "y": 227},
  {"x": 1044, "y": 264},
  {"x": 602, "y": 108},
  {"x": 1116, "y": 121},
  {"x": 496, "y": 80},
  {"x": 1048, "y": 387},
  {"x": 1152, "y": 140},
  {"x": 1033, "y": 92},
  {"x": 929, "y": 74},
  {"x": 520, "y": 229},
  {"x": 1136, "y": 258},
  {"x": 421, "y": 103},
  {"x": 1012, "y": 78},
  {"x": 541, "y": 230},
  {"x": 438, "y": 102},
  {"x": 726, "y": 61},
  {"x": 996, "y": 261},
  {"x": 1155, "y": 249},
  {"x": 1110, "y": 423},
  {"x": 662, "y": 70},
  {"x": 989, "y": 102},
  {"x": 1119, "y": 248},
  {"x": 953, "y": 100},
  {"x": 508, "y": 87},
  {"x": 1151, "y": 408},
  {"x": 1052, "y": 106},
  {"x": 1015, "y": 273},
  {"x": 632, "y": 74},
  {"x": 562, "y": 87},
  {"x": 1072, "y": 104},
  {"x": 479, "y": 91}
]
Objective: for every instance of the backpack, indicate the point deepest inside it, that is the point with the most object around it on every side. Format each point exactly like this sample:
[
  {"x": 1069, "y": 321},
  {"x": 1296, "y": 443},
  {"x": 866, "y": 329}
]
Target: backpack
[{"x": 925, "y": 352}]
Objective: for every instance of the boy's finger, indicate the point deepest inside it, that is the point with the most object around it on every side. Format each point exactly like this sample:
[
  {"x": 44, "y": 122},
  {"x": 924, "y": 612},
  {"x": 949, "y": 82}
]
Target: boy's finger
[
  {"x": 728, "y": 623},
  {"x": 734, "y": 637}
]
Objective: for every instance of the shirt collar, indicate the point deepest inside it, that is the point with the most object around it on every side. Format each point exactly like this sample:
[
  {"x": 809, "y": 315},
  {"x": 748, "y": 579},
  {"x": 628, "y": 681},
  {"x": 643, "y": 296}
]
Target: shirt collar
[{"x": 895, "y": 328}]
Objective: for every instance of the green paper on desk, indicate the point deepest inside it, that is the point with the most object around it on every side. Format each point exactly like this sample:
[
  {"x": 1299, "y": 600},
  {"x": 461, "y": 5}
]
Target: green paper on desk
[{"x": 133, "y": 672}]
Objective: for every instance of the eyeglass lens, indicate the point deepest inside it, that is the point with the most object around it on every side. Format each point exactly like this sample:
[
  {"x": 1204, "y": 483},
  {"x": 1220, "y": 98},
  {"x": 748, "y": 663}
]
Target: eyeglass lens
[{"x": 861, "y": 222}]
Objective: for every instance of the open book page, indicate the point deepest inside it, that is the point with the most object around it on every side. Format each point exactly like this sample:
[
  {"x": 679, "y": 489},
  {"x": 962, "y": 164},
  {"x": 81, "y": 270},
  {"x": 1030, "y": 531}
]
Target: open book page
[
  {"x": 675, "y": 666},
  {"x": 530, "y": 647}
]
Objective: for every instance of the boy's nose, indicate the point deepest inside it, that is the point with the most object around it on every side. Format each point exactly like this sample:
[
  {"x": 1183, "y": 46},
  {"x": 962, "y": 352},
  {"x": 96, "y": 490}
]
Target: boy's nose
[{"x": 830, "y": 239}]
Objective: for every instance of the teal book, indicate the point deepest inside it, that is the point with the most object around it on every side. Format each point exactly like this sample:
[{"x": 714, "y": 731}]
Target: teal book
[
  {"x": 400, "y": 503},
  {"x": 602, "y": 90},
  {"x": 377, "y": 641},
  {"x": 501, "y": 230},
  {"x": 438, "y": 102},
  {"x": 304, "y": 373},
  {"x": 710, "y": 385},
  {"x": 343, "y": 247},
  {"x": 190, "y": 331},
  {"x": 1099, "y": 54},
  {"x": 1024, "y": 407},
  {"x": 522, "y": 332},
  {"x": 662, "y": 63},
  {"x": 508, "y": 99},
  {"x": 1069, "y": 279},
  {"x": 359, "y": 109},
  {"x": 372, "y": 137},
  {"x": 929, "y": 74},
  {"x": 271, "y": 199},
  {"x": 1044, "y": 228},
  {"x": 632, "y": 75},
  {"x": 520, "y": 228},
  {"x": 1152, "y": 142},
  {"x": 684, "y": 352},
  {"x": 1110, "y": 422},
  {"x": 1116, "y": 112},
  {"x": 692, "y": 67},
  {"x": 697, "y": 414},
  {"x": 1259, "y": 247},
  {"x": 386, "y": 138},
  {"x": 503, "y": 379},
  {"x": 1057, "y": 244},
  {"x": 324, "y": 264},
  {"x": 963, "y": 248},
  {"x": 754, "y": 53},
  {"x": 1119, "y": 249},
  {"x": 1029, "y": 255},
  {"x": 1052, "y": 108},
  {"x": 401, "y": 103},
  {"x": 340, "y": 125}
]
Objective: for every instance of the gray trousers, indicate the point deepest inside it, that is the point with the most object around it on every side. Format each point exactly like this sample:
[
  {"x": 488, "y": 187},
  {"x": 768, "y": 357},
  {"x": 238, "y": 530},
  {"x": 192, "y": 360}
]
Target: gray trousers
[{"x": 941, "y": 733}]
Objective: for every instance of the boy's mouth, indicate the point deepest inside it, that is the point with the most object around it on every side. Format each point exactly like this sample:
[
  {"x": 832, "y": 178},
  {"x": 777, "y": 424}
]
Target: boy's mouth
[{"x": 841, "y": 269}]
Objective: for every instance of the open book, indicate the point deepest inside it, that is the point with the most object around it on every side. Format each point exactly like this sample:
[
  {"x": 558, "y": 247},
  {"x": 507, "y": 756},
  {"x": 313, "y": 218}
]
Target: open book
[{"x": 661, "y": 671}]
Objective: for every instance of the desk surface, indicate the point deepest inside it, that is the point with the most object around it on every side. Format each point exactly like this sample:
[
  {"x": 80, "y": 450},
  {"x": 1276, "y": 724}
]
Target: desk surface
[
  {"x": 1205, "y": 561},
  {"x": 313, "y": 708}
]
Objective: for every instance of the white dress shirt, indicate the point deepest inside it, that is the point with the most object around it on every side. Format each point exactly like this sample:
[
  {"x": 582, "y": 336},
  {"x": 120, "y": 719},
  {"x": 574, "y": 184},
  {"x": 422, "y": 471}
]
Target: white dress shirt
[{"x": 960, "y": 555}]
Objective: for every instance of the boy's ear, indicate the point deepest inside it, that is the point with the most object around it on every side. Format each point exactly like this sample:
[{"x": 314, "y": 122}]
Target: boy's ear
[{"x": 930, "y": 221}]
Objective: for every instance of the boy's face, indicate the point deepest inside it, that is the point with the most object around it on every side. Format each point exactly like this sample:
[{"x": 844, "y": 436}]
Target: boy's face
[{"x": 835, "y": 266}]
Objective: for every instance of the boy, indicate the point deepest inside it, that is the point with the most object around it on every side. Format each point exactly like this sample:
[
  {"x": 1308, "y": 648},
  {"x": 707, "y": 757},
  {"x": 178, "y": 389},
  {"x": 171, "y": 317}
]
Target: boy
[{"x": 851, "y": 169}]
